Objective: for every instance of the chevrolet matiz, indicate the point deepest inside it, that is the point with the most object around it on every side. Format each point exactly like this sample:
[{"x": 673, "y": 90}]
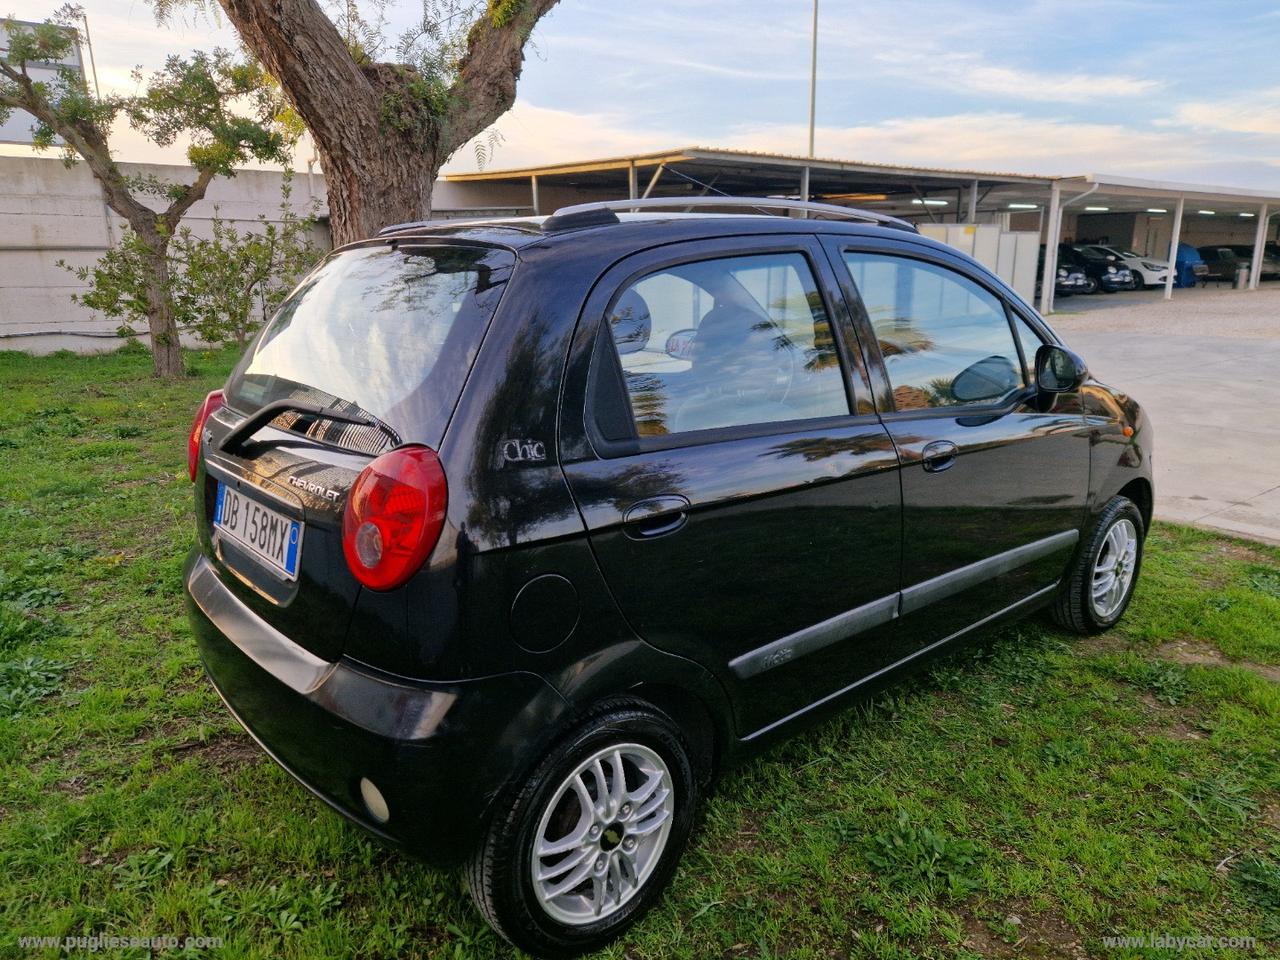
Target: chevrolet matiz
[{"x": 511, "y": 534}]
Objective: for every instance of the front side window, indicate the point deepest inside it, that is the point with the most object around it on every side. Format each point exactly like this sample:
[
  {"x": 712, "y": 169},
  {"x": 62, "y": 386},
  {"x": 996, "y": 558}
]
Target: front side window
[
  {"x": 945, "y": 340},
  {"x": 725, "y": 343}
]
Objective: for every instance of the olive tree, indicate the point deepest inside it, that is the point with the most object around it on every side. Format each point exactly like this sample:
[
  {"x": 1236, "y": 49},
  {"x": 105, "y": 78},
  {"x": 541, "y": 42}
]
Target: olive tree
[
  {"x": 225, "y": 106},
  {"x": 220, "y": 287},
  {"x": 384, "y": 128}
]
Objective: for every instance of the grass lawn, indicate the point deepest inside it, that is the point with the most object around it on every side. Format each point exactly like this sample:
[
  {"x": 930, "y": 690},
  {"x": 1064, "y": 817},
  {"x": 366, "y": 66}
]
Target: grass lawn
[{"x": 1030, "y": 795}]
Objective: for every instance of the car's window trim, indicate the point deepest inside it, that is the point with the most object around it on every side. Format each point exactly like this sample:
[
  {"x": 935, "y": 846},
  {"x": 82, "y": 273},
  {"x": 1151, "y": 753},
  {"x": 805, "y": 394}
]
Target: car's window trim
[
  {"x": 655, "y": 260},
  {"x": 963, "y": 410},
  {"x": 862, "y": 322}
]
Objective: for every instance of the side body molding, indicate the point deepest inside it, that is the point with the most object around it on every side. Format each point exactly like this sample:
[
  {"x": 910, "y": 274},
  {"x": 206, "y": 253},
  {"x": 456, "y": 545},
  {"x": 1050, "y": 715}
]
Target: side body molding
[{"x": 908, "y": 600}]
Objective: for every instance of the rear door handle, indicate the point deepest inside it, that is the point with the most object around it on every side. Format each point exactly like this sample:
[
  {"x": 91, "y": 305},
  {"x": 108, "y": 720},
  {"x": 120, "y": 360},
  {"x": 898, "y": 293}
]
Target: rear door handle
[
  {"x": 655, "y": 517},
  {"x": 939, "y": 455}
]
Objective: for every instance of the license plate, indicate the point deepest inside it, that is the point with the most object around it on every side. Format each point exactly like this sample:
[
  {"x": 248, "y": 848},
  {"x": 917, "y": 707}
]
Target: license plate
[{"x": 269, "y": 535}]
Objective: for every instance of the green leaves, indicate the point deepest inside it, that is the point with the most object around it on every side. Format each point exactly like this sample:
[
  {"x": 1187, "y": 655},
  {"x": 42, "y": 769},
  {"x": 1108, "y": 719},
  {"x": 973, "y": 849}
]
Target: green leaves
[
  {"x": 222, "y": 287},
  {"x": 923, "y": 860},
  {"x": 227, "y": 106}
]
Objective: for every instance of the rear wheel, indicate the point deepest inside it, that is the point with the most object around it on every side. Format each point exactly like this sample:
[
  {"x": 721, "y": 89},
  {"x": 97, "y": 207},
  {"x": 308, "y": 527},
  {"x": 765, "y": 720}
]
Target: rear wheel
[
  {"x": 1099, "y": 585},
  {"x": 588, "y": 843},
  {"x": 1090, "y": 285}
]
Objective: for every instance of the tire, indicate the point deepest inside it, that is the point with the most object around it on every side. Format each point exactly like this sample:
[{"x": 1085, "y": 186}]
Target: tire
[
  {"x": 500, "y": 872},
  {"x": 1090, "y": 285},
  {"x": 1076, "y": 607}
]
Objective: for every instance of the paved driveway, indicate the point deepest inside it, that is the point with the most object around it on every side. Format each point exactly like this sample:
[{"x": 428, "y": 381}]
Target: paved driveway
[{"x": 1207, "y": 368}]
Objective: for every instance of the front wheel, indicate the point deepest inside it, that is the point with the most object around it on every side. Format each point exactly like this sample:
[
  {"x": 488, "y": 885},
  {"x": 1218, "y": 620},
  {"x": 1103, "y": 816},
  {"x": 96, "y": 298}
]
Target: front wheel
[
  {"x": 1099, "y": 585},
  {"x": 587, "y": 845},
  {"x": 1091, "y": 285}
]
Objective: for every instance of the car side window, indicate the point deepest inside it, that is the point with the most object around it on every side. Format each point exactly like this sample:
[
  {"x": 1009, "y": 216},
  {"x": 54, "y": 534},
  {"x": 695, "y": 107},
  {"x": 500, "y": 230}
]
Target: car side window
[
  {"x": 726, "y": 342},
  {"x": 945, "y": 340}
]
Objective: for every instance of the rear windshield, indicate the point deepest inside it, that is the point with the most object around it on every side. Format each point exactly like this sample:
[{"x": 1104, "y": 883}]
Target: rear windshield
[{"x": 388, "y": 332}]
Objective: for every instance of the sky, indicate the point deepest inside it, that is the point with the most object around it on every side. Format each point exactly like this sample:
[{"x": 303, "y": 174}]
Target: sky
[{"x": 1164, "y": 90}]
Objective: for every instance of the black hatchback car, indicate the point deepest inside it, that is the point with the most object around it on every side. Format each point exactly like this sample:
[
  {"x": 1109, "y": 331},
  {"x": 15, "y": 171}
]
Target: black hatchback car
[{"x": 511, "y": 534}]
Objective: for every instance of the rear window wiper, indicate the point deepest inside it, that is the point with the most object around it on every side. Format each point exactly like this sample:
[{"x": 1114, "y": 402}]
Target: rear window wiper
[{"x": 246, "y": 428}]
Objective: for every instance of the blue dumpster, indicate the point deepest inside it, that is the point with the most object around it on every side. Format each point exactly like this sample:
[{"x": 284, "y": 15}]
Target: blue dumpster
[{"x": 1190, "y": 266}]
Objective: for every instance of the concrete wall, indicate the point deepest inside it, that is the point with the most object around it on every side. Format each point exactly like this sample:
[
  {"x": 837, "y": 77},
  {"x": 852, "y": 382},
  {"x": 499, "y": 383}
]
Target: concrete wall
[{"x": 50, "y": 213}]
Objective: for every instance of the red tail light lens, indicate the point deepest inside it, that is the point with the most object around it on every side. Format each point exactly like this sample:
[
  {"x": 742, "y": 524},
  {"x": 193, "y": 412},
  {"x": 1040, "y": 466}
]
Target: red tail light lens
[
  {"x": 211, "y": 403},
  {"x": 394, "y": 515}
]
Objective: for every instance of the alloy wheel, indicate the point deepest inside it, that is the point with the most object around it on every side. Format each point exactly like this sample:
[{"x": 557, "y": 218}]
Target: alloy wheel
[
  {"x": 602, "y": 833},
  {"x": 1114, "y": 568}
]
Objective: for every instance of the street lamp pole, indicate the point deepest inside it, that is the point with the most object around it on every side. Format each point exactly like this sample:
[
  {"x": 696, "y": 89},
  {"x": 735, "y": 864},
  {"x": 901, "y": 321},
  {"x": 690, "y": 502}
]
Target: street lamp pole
[
  {"x": 813, "y": 98},
  {"x": 813, "y": 77}
]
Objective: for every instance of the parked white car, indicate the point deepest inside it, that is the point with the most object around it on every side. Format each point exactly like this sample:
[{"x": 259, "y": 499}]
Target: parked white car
[{"x": 1148, "y": 270}]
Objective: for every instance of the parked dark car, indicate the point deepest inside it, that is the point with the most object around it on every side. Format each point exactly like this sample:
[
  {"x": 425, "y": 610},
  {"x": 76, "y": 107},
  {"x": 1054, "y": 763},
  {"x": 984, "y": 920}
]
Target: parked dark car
[
  {"x": 511, "y": 534},
  {"x": 1104, "y": 271},
  {"x": 1069, "y": 279},
  {"x": 1223, "y": 262},
  {"x": 1270, "y": 259}
]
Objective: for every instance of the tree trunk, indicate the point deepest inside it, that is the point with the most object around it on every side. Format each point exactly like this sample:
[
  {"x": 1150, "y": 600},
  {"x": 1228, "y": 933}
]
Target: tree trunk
[
  {"x": 166, "y": 350},
  {"x": 381, "y": 183},
  {"x": 381, "y": 142}
]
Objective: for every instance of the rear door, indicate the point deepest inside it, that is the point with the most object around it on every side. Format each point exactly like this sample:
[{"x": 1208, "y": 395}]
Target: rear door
[
  {"x": 994, "y": 483},
  {"x": 741, "y": 494},
  {"x": 384, "y": 334}
]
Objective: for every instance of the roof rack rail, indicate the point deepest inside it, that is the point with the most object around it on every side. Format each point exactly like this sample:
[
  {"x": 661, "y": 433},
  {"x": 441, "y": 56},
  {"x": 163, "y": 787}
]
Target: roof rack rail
[{"x": 604, "y": 211}]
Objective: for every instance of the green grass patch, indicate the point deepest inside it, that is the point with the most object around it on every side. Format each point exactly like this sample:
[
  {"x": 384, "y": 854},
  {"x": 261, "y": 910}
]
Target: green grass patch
[{"x": 1029, "y": 794}]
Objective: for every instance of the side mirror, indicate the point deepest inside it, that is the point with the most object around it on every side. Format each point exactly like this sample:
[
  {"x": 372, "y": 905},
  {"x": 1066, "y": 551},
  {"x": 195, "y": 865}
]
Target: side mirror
[
  {"x": 631, "y": 323},
  {"x": 1058, "y": 370},
  {"x": 680, "y": 344},
  {"x": 989, "y": 379}
]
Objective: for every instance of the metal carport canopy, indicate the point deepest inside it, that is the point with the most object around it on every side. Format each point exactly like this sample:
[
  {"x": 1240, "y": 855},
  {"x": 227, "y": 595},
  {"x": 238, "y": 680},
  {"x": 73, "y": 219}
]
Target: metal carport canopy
[
  {"x": 748, "y": 172},
  {"x": 883, "y": 187},
  {"x": 1065, "y": 191}
]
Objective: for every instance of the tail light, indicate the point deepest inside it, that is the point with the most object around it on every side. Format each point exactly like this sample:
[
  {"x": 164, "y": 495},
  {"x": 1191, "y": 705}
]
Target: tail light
[
  {"x": 211, "y": 403},
  {"x": 394, "y": 515}
]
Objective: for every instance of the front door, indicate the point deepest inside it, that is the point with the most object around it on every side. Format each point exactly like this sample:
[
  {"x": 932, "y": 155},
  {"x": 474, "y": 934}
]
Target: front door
[
  {"x": 741, "y": 495},
  {"x": 994, "y": 481}
]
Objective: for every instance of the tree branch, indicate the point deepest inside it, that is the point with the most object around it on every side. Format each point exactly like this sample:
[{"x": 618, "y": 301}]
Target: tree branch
[
  {"x": 298, "y": 43},
  {"x": 485, "y": 87},
  {"x": 190, "y": 195},
  {"x": 87, "y": 141}
]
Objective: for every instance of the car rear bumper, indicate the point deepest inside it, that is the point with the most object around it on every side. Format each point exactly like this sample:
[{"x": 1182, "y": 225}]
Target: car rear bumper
[{"x": 439, "y": 753}]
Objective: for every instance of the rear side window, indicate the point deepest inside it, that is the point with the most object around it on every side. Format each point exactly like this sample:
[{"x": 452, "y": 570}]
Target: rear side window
[
  {"x": 946, "y": 341},
  {"x": 725, "y": 343},
  {"x": 386, "y": 331}
]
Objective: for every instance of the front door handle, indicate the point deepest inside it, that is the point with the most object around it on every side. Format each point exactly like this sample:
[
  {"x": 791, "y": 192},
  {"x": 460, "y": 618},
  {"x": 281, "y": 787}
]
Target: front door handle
[
  {"x": 655, "y": 517},
  {"x": 939, "y": 455}
]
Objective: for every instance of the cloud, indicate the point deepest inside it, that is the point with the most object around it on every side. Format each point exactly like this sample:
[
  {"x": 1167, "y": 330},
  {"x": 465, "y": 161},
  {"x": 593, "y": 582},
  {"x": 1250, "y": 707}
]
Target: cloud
[
  {"x": 535, "y": 135},
  {"x": 1007, "y": 141},
  {"x": 972, "y": 73},
  {"x": 1257, "y": 112}
]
